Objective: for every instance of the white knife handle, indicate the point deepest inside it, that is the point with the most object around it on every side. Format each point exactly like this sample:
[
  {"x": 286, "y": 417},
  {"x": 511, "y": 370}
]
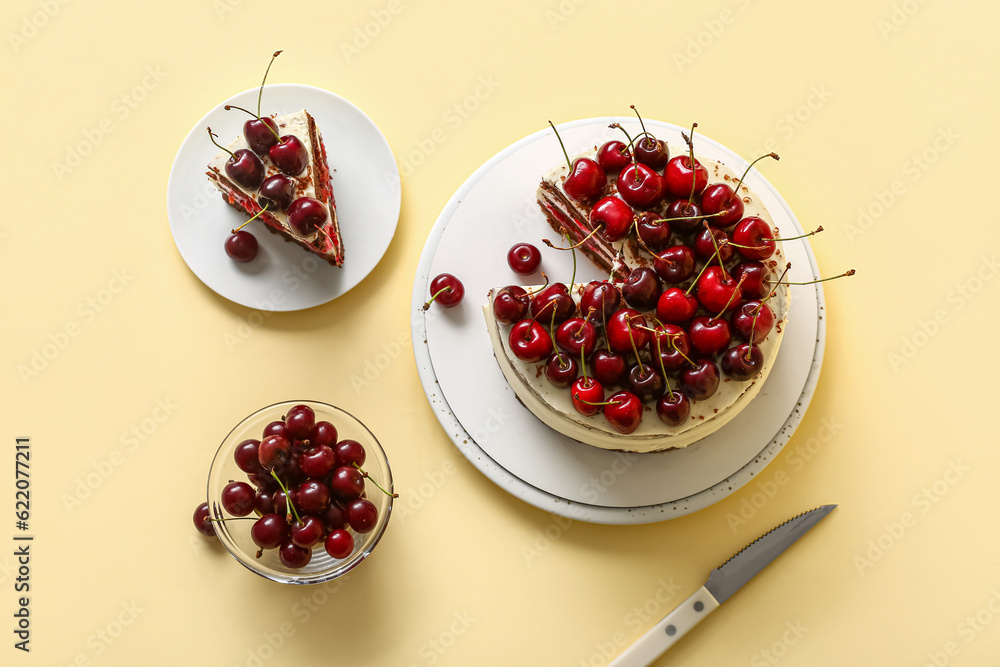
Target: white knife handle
[{"x": 662, "y": 636}]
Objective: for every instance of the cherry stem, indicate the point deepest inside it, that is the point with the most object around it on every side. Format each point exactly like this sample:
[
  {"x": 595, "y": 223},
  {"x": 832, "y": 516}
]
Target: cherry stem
[
  {"x": 229, "y": 107},
  {"x": 212, "y": 135},
  {"x": 740, "y": 184},
  {"x": 628, "y": 325},
  {"x": 845, "y": 274},
  {"x": 583, "y": 366},
  {"x": 577, "y": 397},
  {"x": 711, "y": 235},
  {"x": 590, "y": 311},
  {"x": 575, "y": 245},
  {"x": 694, "y": 173},
  {"x": 288, "y": 500},
  {"x": 572, "y": 278},
  {"x": 635, "y": 161},
  {"x": 568, "y": 163},
  {"x": 446, "y": 288},
  {"x": 368, "y": 477},
  {"x": 708, "y": 262},
  {"x": 731, "y": 297},
  {"x": 255, "y": 216},
  {"x": 604, "y": 325},
  {"x": 643, "y": 125},
  {"x": 800, "y": 236},
  {"x": 663, "y": 370},
  {"x": 693, "y": 217},
  {"x": 232, "y": 518},
  {"x": 261, "y": 93}
]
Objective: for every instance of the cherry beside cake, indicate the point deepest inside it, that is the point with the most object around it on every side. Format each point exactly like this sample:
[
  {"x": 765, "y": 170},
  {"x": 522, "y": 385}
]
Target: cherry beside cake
[{"x": 686, "y": 329}]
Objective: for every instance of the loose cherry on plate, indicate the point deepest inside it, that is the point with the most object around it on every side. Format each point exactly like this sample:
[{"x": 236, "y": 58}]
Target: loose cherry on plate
[
  {"x": 242, "y": 246},
  {"x": 586, "y": 179},
  {"x": 243, "y": 167},
  {"x": 524, "y": 258},
  {"x": 510, "y": 304},
  {"x": 447, "y": 290},
  {"x": 529, "y": 341}
]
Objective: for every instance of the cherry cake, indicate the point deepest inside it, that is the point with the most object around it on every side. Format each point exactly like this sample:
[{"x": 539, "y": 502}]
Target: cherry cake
[
  {"x": 285, "y": 169},
  {"x": 684, "y": 332}
]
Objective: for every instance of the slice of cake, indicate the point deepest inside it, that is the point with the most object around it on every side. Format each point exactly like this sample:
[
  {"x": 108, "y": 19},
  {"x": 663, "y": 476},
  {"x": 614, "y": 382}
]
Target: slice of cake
[{"x": 300, "y": 205}]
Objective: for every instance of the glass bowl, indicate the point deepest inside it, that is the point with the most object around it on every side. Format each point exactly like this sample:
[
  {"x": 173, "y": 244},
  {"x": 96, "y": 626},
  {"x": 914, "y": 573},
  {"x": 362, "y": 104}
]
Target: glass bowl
[{"x": 235, "y": 535}]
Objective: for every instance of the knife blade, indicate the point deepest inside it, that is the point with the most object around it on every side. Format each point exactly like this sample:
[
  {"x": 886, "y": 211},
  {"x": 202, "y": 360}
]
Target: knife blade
[{"x": 722, "y": 583}]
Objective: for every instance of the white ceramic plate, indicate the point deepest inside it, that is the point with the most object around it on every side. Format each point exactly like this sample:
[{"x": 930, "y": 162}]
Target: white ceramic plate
[
  {"x": 491, "y": 211},
  {"x": 285, "y": 277}
]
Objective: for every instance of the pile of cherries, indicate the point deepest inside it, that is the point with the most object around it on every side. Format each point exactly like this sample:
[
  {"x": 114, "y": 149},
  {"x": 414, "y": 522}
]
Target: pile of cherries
[
  {"x": 673, "y": 329},
  {"x": 305, "y": 487},
  {"x": 245, "y": 167}
]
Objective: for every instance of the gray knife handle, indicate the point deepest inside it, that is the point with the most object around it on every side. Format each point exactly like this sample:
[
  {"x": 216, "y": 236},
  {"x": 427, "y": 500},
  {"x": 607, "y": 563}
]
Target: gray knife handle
[{"x": 662, "y": 636}]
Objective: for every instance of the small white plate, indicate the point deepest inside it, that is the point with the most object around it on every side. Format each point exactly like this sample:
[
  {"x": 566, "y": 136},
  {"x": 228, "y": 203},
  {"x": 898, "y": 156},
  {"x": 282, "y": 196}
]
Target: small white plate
[
  {"x": 496, "y": 208},
  {"x": 285, "y": 277}
]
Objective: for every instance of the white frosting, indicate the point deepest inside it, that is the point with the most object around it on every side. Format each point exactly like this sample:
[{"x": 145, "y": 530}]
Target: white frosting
[
  {"x": 554, "y": 405},
  {"x": 296, "y": 124}
]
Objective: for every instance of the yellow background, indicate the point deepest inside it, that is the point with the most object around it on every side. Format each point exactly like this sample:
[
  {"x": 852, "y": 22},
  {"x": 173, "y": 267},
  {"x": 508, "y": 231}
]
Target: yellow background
[{"x": 850, "y": 94}]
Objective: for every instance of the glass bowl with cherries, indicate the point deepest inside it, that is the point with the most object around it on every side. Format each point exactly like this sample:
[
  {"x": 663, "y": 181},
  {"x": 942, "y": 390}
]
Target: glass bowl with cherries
[{"x": 300, "y": 492}]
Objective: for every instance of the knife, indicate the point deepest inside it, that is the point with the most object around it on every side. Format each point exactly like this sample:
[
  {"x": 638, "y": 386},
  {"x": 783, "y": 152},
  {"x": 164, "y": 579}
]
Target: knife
[{"x": 722, "y": 583}]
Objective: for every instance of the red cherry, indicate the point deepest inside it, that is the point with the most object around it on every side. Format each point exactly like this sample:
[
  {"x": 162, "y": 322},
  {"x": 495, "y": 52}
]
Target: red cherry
[
  {"x": 651, "y": 152},
  {"x": 242, "y": 246},
  {"x": 203, "y": 522},
  {"x": 609, "y": 368},
  {"x": 317, "y": 461},
  {"x": 709, "y": 335},
  {"x": 586, "y": 180},
  {"x": 576, "y": 334},
  {"x": 554, "y": 298},
  {"x": 678, "y": 177},
  {"x": 675, "y": 264},
  {"x": 705, "y": 248},
  {"x": 674, "y": 347},
  {"x": 246, "y": 457},
  {"x": 754, "y": 276},
  {"x": 276, "y": 192},
  {"x": 510, "y": 304},
  {"x": 675, "y": 306},
  {"x": 361, "y": 515},
  {"x": 673, "y": 408},
  {"x": 755, "y": 238},
  {"x": 752, "y": 321},
  {"x": 293, "y": 556},
  {"x": 529, "y": 341},
  {"x": 742, "y": 362},
  {"x": 349, "y": 453},
  {"x": 307, "y": 215},
  {"x": 717, "y": 290},
  {"x": 640, "y": 186},
  {"x": 269, "y": 531},
  {"x": 561, "y": 369},
  {"x": 645, "y": 382},
  {"x": 339, "y": 544},
  {"x": 613, "y": 156},
  {"x": 238, "y": 498},
  {"x": 653, "y": 231},
  {"x": 587, "y": 393},
  {"x": 308, "y": 533},
  {"x": 447, "y": 290},
  {"x": 625, "y": 329},
  {"x": 717, "y": 198},
  {"x": 289, "y": 155},
  {"x": 701, "y": 381},
  {"x": 524, "y": 258},
  {"x": 260, "y": 133},
  {"x": 323, "y": 433},
  {"x": 614, "y": 217},
  {"x": 299, "y": 422},
  {"x": 600, "y": 299},
  {"x": 623, "y": 411},
  {"x": 274, "y": 450},
  {"x": 683, "y": 215},
  {"x": 347, "y": 483},
  {"x": 642, "y": 288}
]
